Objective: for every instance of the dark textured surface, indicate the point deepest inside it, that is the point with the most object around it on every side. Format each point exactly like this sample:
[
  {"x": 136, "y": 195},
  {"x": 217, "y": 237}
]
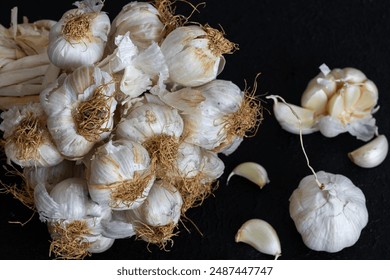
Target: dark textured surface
[{"x": 286, "y": 41}]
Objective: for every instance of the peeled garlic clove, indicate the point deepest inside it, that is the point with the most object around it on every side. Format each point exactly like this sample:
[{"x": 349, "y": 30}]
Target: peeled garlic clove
[
  {"x": 252, "y": 171},
  {"x": 260, "y": 235},
  {"x": 289, "y": 122},
  {"x": 371, "y": 154}
]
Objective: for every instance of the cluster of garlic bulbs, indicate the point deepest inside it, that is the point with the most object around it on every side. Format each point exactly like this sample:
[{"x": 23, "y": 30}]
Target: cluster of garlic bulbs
[
  {"x": 125, "y": 139},
  {"x": 334, "y": 102}
]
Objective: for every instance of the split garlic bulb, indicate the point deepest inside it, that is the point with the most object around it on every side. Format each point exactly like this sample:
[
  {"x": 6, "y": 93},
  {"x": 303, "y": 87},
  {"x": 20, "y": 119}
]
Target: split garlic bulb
[
  {"x": 27, "y": 139},
  {"x": 80, "y": 109},
  {"x": 346, "y": 99},
  {"x": 120, "y": 175},
  {"x": 80, "y": 36},
  {"x": 216, "y": 115},
  {"x": 194, "y": 54},
  {"x": 329, "y": 219},
  {"x": 141, "y": 20},
  {"x": 74, "y": 220}
]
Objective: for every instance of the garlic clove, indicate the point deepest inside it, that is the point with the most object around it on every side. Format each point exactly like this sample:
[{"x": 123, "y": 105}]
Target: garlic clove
[
  {"x": 315, "y": 98},
  {"x": 353, "y": 75},
  {"x": 252, "y": 171},
  {"x": 336, "y": 105},
  {"x": 371, "y": 154},
  {"x": 351, "y": 96},
  {"x": 260, "y": 235},
  {"x": 289, "y": 121}
]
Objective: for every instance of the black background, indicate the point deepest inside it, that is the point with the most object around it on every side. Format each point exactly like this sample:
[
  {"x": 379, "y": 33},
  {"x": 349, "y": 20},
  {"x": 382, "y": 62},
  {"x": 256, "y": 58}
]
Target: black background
[{"x": 286, "y": 41}]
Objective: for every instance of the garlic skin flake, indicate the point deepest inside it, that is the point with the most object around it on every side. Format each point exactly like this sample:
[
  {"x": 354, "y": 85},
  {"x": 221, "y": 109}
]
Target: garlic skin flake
[
  {"x": 120, "y": 175},
  {"x": 252, "y": 171},
  {"x": 80, "y": 36},
  {"x": 194, "y": 54},
  {"x": 261, "y": 236},
  {"x": 330, "y": 219},
  {"x": 27, "y": 139},
  {"x": 80, "y": 109},
  {"x": 371, "y": 154}
]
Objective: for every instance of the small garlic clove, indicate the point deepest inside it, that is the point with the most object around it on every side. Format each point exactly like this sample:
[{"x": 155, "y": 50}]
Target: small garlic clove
[
  {"x": 289, "y": 121},
  {"x": 371, "y": 154},
  {"x": 353, "y": 75},
  {"x": 260, "y": 235},
  {"x": 252, "y": 171},
  {"x": 315, "y": 98}
]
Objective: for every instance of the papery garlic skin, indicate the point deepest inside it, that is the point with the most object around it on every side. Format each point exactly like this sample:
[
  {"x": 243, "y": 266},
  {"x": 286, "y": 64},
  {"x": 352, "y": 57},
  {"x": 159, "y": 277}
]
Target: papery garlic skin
[
  {"x": 120, "y": 166},
  {"x": 141, "y": 20},
  {"x": 62, "y": 102},
  {"x": 344, "y": 100},
  {"x": 27, "y": 140},
  {"x": 261, "y": 236},
  {"x": 82, "y": 43},
  {"x": 211, "y": 114},
  {"x": 191, "y": 55},
  {"x": 162, "y": 206},
  {"x": 330, "y": 219},
  {"x": 371, "y": 154},
  {"x": 148, "y": 120}
]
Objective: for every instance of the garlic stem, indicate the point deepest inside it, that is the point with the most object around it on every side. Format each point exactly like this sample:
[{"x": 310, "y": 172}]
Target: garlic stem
[
  {"x": 17, "y": 76},
  {"x": 21, "y": 90},
  {"x": 26, "y": 62},
  {"x": 6, "y": 102},
  {"x": 320, "y": 185}
]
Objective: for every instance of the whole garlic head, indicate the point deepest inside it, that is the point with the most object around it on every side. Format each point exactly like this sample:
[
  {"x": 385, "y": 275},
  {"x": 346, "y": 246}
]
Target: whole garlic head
[
  {"x": 80, "y": 109},
  {"x": 80, "y": 36},
  {"x": 194, "y": 54},
  {"x": 346, "y": 99},
  {"x": 329, "y": 219}
]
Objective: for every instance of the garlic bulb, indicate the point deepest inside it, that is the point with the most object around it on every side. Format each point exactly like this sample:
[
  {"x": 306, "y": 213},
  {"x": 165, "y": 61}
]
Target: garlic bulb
[
  {"x": 27, "y": 140},
  {"x": 261, "y": 236},
  {"x": 305, "y": 119},
  {"x": 194, "y": 54},
  {"x": 216, "y": 115},
  {"x": 155, "y": 220},
  {"x": 329, "y": 219},
  {"x": 74, "y": 221},
  {"x": 80, "y": 109},
  {"x": 141, "y": 20},
  {"x": 80, "y": 36},
  {"x": 371, "y": 154},
  {"x": 252, "y": 171},
  {"x": 346, "y": 99},
  {"x": 120, "y": 175}
]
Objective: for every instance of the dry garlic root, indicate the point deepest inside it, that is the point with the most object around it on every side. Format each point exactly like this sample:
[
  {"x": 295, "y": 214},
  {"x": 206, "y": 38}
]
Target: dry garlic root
[{"x": 125, "y": 135}]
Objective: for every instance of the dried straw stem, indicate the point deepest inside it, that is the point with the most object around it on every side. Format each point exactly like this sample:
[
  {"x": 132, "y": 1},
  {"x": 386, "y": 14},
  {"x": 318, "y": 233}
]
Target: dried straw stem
[
  {"x": 69, "y": 241},
  {"x": 92, "y": 116}
]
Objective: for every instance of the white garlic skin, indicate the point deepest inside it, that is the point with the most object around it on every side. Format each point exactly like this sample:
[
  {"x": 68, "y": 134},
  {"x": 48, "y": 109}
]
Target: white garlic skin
[
  {"x": 60, "y": 101},
  {"x": 162, "y": 206},
  {"x": 330, "y": 219},
  {"x": 190, "y": 60},
  {"x": 204, "y": 110},
  {"x": 371, "y": 154},
  {"x": 72, "y": 53},
  {"x": 101, "y": 244},
  {"x": 115, "y": 162},
  {"x": 261, "y": 236},
  {"x": 47, "y": 153},
  {"x": 141, "y": 20},
  {"x": 149, "y": 120},
  {"x": 252, "y": 171}
]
